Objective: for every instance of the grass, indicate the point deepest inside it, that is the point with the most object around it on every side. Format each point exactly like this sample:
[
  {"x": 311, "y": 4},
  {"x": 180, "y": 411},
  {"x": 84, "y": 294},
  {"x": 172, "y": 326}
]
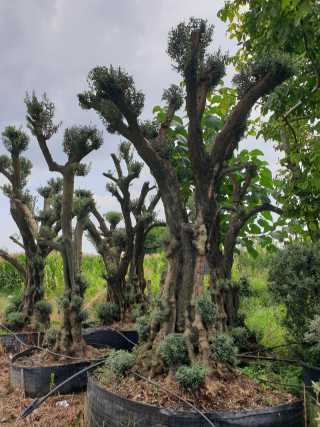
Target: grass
[
  {"x": 262, "y": 315},
  {"x": 276, "y": 376},
  {"x": 154, "y": 266}
]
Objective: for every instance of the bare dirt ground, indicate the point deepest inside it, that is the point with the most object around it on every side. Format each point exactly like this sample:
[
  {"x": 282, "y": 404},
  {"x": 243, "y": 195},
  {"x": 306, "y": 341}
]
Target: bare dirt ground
[{"x": 57, "y": 411}]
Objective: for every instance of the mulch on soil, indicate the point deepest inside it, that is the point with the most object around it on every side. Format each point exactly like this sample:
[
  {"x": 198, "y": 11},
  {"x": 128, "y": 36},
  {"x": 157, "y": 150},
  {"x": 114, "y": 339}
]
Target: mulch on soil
[
  {"x": 44, "y": 358},
  {"x": 228, "y": 392},
  {"x": 52, "y": 413}
]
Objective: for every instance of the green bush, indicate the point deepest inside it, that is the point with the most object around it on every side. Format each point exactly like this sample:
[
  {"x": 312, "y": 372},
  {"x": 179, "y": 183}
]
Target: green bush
[
  {"x": 276, "y": 376},
  {"x": 191, "y": 377},
  {"x": 173, "y": 350},
  {"x": 120, "y": 361},
  {"x": 294, "y": 281},
  {"x": 143, "y": 328},
  {"x": 108, "y": 313},
  {"x": 244, "y": 287},
  {"x": 223, "y": 349},
  {"x": 43, "y": 310},
  {"x": 51, "y": 337},
  {"x": 14, "y": 305},
  {"x": 136, "y": 311},
  {"x": 15, "y": 320},
  {"x": 207, "y": 309},
  {"x": 312, "y": 336},
  {"x": 240, "y": 337}
]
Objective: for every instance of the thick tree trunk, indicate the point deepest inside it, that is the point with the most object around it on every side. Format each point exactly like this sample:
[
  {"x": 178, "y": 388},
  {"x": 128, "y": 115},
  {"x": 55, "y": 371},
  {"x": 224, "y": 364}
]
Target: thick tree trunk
[
  {"x": 225, "y": 293},
  {"x": 34, "y": 287},
  {"x": 116, "y": 293},
  {"x": 136, "y": 280},
  {"x": 71, "y": 337},
  {"x": 177, "y": 292}
]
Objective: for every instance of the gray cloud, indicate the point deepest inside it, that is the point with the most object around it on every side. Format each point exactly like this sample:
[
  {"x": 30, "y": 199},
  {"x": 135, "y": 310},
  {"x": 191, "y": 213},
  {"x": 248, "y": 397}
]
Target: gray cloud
[{"x": 50, "y": 45}]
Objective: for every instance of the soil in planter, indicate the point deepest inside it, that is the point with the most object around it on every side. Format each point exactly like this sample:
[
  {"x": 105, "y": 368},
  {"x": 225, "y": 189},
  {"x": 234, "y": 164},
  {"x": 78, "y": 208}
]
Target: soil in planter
[
  {"x": 45, "y": 358},
  {"x": 124, "y": 325},
  {"x": 232, "y": 391},
  {"x": 57, "y": 411}
]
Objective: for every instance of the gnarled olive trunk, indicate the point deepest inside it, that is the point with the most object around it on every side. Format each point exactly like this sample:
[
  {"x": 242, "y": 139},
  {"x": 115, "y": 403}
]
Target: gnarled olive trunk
[
  {"x": 35, "y": 259},
  {"x": 71, "y": 337},
  {"x": 226, "y": 296},
  {"x": 34, "y": 286},
  {"x": 136, "y": 280}
]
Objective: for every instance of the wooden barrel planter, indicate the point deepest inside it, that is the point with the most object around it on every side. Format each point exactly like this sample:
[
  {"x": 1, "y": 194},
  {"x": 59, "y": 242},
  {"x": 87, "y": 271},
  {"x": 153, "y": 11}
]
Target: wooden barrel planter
[
  {"x": 38, "y": 381},
  {"x": 104, "y": 337},
  {"x": 109, "y": 409},
  {"x": 10, "y": 342}
]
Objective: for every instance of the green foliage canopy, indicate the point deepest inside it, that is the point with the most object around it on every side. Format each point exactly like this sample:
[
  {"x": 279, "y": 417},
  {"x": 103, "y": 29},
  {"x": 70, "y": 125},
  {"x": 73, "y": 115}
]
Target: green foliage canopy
[{"x": 287, "y": 28}]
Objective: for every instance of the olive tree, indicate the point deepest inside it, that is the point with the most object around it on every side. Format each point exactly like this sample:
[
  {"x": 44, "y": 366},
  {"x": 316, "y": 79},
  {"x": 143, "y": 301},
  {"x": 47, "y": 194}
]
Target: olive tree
[
  {"x": 113, "y": 95},
  {"x": 78, "y": 142},
  {"x": 123, "y": 249},
  {"x": 35, "y": 227}
]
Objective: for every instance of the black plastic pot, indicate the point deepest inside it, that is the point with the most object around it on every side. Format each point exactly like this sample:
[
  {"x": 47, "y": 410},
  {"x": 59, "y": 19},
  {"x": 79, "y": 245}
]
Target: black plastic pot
[
  {"x": 11, "y": 344},
  {"x": 37, "y": 381},
  {"x": 103, "y": 338},
  {"x": 109, "y": 409},
  {"x": 310, "y": 374}
]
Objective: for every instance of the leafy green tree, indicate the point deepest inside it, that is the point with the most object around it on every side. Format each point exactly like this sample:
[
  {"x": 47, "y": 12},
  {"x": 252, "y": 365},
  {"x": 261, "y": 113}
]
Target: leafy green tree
[
  {"x": 192, "y": 240},
  {"x": 294, "y": 279},
  {"x": 289, "y": 27}
]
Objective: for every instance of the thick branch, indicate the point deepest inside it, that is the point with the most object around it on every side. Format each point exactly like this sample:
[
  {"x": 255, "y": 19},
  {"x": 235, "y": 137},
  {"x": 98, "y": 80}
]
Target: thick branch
[
  {"x": 102, "y": 224},
  {"x": 260, "y": 208},
  {"x": 16, "y": 241},
  {"x": 14, "y": 262},
  {"x": 117, "y": 164},
  {"x": 27, "y": 215},
  {"x": 111, "y": 177},
  {"x": 154, "y": 225},
  {"x": 143, "y": 194},
  {"x": 154, "y": 202},
  {"x": 94, "y": 234},
  {"x": 229, "y": 136},
  {"x": 52, "y": 165},
  {"x": 195, "y": 111},
  {"x": 235, "y": 168},
  {"x": 236, "y": 224},
  {"x": 5, "y": 173}
]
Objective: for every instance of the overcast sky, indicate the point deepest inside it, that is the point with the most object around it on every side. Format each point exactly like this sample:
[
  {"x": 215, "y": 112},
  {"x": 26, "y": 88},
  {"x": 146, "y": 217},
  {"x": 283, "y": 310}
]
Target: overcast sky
[{"x": 51, "y": 45}]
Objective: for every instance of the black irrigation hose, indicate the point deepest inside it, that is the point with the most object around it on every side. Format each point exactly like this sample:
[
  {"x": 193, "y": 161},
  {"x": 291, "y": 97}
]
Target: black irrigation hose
[
  {"x": 266, "y": 350},
  {"x": 175, "y": 395},
  {"x": 269, "y": 359},
  {"x": 39, "y": 401},
  {"x": 14, "y": 334},
  {"x": 297, "y": 386},
  {"x": 123, "y": 335},
  {"x": 38, "y": 347}
]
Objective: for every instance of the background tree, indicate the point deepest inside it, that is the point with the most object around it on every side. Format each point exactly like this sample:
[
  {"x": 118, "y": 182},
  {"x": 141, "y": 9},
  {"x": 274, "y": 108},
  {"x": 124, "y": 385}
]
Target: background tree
[
  {"x": 123, "y": 250},
  {"x": 35, "y": 228},
  {"x": 78, "y": 142},
  {"x": 113, "y": 95},
  {"x": 291, "y": 28}
]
